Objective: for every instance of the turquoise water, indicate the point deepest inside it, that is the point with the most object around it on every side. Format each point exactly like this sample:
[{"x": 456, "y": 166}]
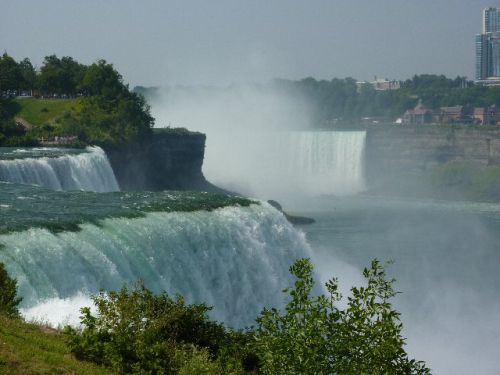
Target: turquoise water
[
  {"x": 58, "y": 169},
  {"x": 228, "y": 252},
  {"x": 10, "y": 153},
  {"x": 27, "y": 206}
]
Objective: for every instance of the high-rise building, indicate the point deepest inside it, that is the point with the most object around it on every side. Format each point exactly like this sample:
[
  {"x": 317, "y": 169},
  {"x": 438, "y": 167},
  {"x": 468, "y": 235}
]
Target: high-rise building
[
  {"x": 488, "y": 48},
  {"x": 491, "y": 20}
]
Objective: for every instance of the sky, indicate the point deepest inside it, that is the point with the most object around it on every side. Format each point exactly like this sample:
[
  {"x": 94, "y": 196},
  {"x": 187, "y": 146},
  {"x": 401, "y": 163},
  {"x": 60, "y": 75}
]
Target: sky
[{"x": 219, "y": 42}]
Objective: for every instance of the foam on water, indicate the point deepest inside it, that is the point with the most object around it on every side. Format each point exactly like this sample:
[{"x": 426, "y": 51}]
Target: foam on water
[
  {"x": 234, "y": 258},
  {"x": 88, "y": 171}
]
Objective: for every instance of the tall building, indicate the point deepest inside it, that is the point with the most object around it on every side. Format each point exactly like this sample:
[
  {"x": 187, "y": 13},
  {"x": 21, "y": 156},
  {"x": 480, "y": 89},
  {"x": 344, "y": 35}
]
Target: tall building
[
  {"x": 491, "y": 20},
  {"x": 488, "y": 48}
]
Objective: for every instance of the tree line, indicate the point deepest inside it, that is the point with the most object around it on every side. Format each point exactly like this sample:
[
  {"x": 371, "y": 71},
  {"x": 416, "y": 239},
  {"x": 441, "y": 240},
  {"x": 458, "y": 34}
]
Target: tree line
[
  {"x": 107, "y": 111},
  {"x": 56, "y": 77},
  {"x": 347, "y": 101}
]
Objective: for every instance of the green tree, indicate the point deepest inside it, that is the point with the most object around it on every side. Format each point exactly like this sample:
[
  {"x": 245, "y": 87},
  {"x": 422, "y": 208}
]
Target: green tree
[
  {"x": 8, "y": 294},
  {"x": 60, "y": 76},
  {"x": 10, "y": 74},
  {"x": 315, "y": 336},
  {"x": 28, "y": 74},
  {"x": 101, "y": 79}
]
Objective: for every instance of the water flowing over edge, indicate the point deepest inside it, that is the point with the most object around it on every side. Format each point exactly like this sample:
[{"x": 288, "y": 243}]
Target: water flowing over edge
[
  {"x": 89, "y": 171},
  {"x": 235, "y": 259},
  {"x": 287, "y": 165},
  {"x": 328, "y": 162}
]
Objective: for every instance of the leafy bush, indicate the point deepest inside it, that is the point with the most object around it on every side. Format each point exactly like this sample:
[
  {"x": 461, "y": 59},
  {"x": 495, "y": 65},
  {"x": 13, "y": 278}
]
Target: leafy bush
[
  {"x": 315, "y": 336},
  {"x": 138, "y": 332},
  {"x": 8, "y": 292}
]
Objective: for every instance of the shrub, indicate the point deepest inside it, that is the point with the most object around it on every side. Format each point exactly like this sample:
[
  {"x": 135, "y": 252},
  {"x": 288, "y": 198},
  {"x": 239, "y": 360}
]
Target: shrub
[
  {"x": 138, "y": 332},
  {"x": 314, "y": 336},
  {"x": 8, "y": 294}
]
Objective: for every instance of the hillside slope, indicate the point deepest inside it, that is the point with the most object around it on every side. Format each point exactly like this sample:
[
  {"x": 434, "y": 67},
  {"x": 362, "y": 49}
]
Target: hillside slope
[{"x": 31, "y": 349}]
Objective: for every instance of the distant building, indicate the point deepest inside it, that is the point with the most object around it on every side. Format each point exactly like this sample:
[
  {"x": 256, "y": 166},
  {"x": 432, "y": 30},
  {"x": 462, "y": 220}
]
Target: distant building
[
  {"x": 451, "y": 115},
  {"x": 458, "y": 114},
  {"x": 488, "y": 49},
  {"x": 381, "y": 84},
  {"x": 419, "y": 115},
  {"x": 385, "y": 84},
  {"x": 486, "y": 115}
]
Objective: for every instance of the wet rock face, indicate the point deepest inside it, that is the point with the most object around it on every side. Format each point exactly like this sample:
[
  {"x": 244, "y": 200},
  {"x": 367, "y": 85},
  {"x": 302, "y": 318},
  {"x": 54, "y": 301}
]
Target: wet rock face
[
  {"x": 393, "y": 150},
  {"x": 163, "y": 162}
]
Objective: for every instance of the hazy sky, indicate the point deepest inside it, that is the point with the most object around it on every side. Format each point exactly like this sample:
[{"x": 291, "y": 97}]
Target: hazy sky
[{"x": 224, "y": 41}]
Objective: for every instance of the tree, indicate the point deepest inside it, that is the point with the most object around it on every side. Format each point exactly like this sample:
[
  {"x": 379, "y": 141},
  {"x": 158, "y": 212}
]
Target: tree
[
  {"x": 8, "y": 294},
  {"x": 315, "y": 336},
  {"x": 28, "y": 74},
  {"x": 61, "y": 76},
  {"x": 10, "y": 74},
  {"x": 101, "y": 79}
]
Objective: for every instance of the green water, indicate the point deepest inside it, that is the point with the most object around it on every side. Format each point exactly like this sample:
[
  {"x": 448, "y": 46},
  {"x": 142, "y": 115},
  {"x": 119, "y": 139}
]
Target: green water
[
  {"x": 11, "y": 153},
  {"x": 27, "y": 206}
]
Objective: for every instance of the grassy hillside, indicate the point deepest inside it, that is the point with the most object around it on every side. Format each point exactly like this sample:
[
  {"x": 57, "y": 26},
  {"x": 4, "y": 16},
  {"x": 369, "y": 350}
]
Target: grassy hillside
[
  {"x": 31, "y": 349},
  {"x": 41, "y": 111}
]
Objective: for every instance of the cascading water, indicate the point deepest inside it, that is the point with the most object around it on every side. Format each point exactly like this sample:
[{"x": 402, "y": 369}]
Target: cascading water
[
  {"x": 234, "y": 258},
  {"x": 89, "y": 171},
  {"x": 287, "y": 166},
  {"x": 328, "y": 162}
]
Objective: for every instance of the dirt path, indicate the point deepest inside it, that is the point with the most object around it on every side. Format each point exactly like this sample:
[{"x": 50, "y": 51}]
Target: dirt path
[{"x": 25, "y": 124}]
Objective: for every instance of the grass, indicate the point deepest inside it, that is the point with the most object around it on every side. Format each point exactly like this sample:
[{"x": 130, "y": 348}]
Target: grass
[
  {"x": 27, "y": 348},
  {"x": 41, "y": 111}
]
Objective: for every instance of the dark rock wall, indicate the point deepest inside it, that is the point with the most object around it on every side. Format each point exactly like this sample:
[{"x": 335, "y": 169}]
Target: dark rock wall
[
  {"x": 163, "y": 162},
  {"x": 393, "y": 150}
]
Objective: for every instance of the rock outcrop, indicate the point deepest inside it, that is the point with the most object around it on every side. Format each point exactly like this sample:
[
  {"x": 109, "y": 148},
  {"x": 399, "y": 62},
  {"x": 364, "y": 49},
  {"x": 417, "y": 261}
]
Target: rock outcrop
[{"x": 162, "y": 162}]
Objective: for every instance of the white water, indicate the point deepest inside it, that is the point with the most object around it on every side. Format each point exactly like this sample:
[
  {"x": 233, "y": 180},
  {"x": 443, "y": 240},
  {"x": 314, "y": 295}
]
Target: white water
[
  {"x": 328, "y": 162},
  {"x": 89, "y": 171},
  {"x": 287, "y": 165},
  {"x": 235, "y": 259}
]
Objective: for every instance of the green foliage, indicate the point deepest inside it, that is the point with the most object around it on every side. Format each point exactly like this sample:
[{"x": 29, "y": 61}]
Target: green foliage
[
  {"x": 315, "y": 336},
  {"x": 28, "y": 74},
  {"x": 8, "y": 294},
  {"x": 138, "y": 332},
  {"x": 60, "y": 76},
  {"x": 28, "y": 348},
  {"x": 342, "y": 100},
  {"x": 101, "y": 79},
  {"x": 10, "y": 74},
  {"x": 107, "y": 114},
  {"x": 42, "y": 111}
]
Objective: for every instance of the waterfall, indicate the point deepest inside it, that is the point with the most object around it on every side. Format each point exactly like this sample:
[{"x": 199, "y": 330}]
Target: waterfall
[
  {"x": 88, "y": 171},
  {"x": 328, "y": 162},
  {"x": 234, "y": 258},
  {"x": 287, "y": 165}
]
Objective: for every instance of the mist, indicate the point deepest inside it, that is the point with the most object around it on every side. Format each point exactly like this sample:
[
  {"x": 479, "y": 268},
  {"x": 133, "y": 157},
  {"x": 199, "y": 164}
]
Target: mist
[
  {"x": 263, "y": 141},
  {"x": 246, "y": 128},
  {"x": 445, "y": 262}
]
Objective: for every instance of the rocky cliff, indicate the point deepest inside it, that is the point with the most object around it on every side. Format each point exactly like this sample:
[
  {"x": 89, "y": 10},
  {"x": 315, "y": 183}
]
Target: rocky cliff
[
  {"x": 165, "y": 161},
  {"x": 399, "y": 150}
]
